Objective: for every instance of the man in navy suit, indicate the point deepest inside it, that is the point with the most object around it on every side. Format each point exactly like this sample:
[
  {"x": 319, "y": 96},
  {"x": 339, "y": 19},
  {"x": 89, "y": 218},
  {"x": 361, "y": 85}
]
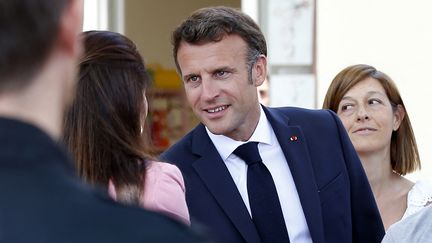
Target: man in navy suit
[{"x": 322, "y": 189}]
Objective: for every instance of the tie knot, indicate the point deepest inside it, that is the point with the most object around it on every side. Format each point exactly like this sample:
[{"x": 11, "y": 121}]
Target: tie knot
[{"x": 249, "y": 153}]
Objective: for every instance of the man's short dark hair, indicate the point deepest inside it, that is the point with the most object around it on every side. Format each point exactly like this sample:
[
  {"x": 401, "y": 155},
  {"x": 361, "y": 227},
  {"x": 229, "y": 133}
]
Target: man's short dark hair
[
  {"x": 214, "y": 23},
  {"x": 28, "y": 29}
]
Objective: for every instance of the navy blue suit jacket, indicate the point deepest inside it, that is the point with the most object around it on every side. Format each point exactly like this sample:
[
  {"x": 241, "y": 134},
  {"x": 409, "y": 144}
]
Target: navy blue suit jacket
[{"x": 331, "y": 183}]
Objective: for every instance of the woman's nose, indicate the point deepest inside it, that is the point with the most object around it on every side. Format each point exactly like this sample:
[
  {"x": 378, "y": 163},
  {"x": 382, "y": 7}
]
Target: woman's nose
[{"x": 362, "y": 114}]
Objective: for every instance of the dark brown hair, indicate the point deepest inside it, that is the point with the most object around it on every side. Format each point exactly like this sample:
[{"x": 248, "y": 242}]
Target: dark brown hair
[
  {"x": 404, "y": 154},
  {"x": 102, "y": 128},
  {"x": 213, "y": 24},
  {"x": 28, "y": 29}
]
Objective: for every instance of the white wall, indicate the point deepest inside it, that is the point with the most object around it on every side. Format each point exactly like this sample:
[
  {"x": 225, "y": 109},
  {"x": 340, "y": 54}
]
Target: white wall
[
  {"x": 395, "y": 36},
  {"x": 95, "y": 15},
  {"x": 104, "y": 15}
]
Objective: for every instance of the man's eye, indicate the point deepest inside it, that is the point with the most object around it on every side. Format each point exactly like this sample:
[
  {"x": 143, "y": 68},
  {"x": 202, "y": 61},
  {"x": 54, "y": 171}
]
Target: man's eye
[
  {"x": 193, "y": 79},
  {"x": 220, "y": 73}
]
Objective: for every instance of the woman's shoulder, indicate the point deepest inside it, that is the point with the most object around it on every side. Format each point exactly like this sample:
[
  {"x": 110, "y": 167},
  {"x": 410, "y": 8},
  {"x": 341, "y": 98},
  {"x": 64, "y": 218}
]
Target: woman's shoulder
[
  {"x": 164, "y": 190},
  {"x": 421, "y": 192},
  {"x": 161, "y": 173},
  {"x": 419, "y": 196},
  {"x": 161, "y": 167}
]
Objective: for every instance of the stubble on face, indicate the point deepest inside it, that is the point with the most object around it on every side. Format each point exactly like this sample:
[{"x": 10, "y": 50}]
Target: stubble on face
[{"x": 223, "y": 98}]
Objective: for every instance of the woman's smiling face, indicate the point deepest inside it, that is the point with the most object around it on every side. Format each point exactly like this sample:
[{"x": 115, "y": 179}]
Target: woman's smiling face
[{"x": 369, "y": 117}]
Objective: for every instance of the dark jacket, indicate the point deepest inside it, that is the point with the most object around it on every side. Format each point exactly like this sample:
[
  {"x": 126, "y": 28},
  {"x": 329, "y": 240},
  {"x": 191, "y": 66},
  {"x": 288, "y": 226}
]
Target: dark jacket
[{"x": 334, "y": 192}]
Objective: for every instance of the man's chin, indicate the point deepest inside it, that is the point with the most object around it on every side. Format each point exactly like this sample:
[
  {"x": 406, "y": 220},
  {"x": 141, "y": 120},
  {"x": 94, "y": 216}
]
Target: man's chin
[{"x": 213, "y": 129}]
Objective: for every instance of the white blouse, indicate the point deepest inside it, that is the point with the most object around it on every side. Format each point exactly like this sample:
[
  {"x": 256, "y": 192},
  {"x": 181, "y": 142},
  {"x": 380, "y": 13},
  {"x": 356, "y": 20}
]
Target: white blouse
[{"x": 419, "y": 197}]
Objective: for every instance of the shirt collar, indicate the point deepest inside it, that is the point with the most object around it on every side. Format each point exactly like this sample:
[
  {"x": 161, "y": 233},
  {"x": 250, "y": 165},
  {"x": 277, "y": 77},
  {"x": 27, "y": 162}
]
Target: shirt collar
[{"x": 225, "y": 145}]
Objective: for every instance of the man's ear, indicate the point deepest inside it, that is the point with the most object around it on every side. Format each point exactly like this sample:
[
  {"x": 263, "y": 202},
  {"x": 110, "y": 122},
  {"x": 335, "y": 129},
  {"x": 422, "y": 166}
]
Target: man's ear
[
  {"x": 259, "y": 71},
  {"x": 71, "y": 22}
]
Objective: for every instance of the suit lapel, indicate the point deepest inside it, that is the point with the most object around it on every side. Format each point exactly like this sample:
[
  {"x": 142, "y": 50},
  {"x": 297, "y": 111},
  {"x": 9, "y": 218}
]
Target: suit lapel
[
  {"x": 294, "y": 147},
  {"x": 219, "y": 182}
]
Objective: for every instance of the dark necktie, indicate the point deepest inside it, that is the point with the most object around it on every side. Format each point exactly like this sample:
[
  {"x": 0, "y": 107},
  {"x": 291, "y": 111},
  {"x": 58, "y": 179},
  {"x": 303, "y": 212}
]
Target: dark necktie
[{"x": 263, "y": 199}]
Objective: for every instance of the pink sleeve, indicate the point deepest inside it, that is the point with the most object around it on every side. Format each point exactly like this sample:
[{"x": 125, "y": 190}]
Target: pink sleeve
[{"x": 164, "y": 191}]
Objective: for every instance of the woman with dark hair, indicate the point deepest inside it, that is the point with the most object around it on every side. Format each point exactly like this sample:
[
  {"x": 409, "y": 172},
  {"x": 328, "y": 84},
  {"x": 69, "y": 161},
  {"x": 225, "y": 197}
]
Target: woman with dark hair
[
  {"x": 103, "y": 128},
  {"x": 374, "y": 115}
]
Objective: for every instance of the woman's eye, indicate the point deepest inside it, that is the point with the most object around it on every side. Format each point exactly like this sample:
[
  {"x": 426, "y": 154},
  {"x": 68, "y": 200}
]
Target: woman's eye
[
  {"x": 346, "y": 107},
  {"x": 374, "y": 101}
]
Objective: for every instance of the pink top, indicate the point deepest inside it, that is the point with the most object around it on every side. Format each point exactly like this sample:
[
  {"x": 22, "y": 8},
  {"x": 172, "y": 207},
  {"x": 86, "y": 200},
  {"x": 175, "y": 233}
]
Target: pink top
[{"x": 164, "y": 191}]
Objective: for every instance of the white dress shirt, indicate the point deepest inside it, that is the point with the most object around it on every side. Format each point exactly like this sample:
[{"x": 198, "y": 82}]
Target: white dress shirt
[{"x": 274, "y": 159}]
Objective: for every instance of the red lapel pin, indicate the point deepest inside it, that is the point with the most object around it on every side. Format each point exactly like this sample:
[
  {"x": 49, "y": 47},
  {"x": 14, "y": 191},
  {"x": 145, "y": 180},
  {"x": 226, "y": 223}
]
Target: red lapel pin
[{"x": 293, "y": 138}]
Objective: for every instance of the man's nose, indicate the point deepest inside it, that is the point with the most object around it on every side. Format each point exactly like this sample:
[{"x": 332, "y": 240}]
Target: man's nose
[{"x": 210, "y": 89}]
